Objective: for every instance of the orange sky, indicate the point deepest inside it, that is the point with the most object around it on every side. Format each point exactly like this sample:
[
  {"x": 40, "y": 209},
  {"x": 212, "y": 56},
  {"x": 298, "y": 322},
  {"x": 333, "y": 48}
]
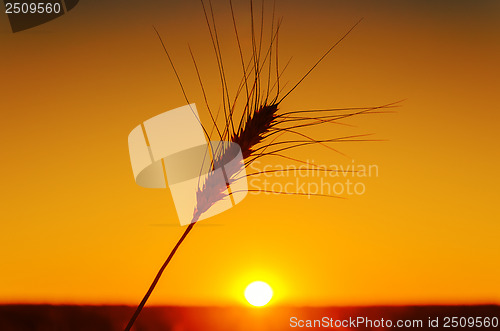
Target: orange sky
[{"x": 77, "y": 229}]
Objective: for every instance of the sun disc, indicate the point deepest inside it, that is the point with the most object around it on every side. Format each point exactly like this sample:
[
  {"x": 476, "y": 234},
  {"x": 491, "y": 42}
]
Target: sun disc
[{"x": 258, "y": 293}]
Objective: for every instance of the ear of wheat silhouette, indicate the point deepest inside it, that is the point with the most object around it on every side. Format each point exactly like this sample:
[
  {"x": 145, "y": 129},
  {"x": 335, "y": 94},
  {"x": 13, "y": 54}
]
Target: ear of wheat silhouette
[{"x": 261, "y": 125}]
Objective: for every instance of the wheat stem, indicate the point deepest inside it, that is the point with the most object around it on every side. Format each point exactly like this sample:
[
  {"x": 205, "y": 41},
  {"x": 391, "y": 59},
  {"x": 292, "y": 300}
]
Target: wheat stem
[{"x": 157, "y": 278}]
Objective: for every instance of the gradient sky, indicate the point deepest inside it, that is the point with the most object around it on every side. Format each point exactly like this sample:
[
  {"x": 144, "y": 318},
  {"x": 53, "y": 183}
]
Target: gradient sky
[{"x": 77, "y": 229}]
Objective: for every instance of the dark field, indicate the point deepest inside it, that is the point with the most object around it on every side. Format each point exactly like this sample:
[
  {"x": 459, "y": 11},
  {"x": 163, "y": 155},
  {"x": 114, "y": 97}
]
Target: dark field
[{"x": 96, "y": 318}]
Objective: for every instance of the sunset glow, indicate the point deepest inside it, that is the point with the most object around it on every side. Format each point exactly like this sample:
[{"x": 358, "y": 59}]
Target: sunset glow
[{"x": 77, "y": 229}]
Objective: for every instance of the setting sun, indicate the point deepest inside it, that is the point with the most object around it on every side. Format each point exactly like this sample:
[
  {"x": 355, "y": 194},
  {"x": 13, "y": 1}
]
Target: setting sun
[{"x": 258, "y": 293}]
